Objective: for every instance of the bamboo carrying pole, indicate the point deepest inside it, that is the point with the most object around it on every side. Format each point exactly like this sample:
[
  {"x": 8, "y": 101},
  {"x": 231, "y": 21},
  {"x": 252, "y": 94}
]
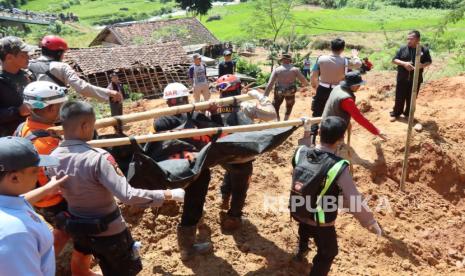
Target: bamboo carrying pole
[
  {"x": 151, "y": 114},
  {"x": 199, "y": 132},
  {"x": 416, "y": 77}
]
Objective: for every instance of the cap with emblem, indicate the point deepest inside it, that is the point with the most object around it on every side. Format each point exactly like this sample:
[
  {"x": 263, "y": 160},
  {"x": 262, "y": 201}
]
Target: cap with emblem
[
  {"x": 353, "y": 79},
  {"x": 13, "y": 45},
  {"x": 18, "y": 153}
]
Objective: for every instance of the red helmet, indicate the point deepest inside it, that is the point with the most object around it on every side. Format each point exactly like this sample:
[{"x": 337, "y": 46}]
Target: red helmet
[
  {"x": 228, "y": 83},
  {"x": 54, "y": 43}
]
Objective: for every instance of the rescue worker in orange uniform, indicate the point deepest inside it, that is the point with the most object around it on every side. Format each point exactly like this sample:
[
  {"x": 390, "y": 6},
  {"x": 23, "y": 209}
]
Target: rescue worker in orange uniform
[{"x": 45, "y": 99}]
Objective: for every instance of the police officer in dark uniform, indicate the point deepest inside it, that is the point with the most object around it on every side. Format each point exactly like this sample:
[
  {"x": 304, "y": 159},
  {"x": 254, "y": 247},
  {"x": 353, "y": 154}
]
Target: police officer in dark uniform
[
  {"x": 237, "y": 176},
  {"x": 13, "y": 78},
  {"x": 320, "y": 176},
  {"x": 177, "y": 94},
  {"x": 405, "y": 61}
]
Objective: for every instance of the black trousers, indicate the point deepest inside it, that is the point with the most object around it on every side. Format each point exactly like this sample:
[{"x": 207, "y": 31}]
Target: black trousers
[
  {"x": 50, "y": 213},
  {"x": 116, "y": 108},
  {"x": 325, "y": 239},
  {"x": 115, "y": 253},
  {"x": 278, "y": 101},
  {"x": 236, "y": 183},
  {"x": 194, "y": 199},
  {"x": 403, "y": 97},
  {"x": 318, "y": 105}
]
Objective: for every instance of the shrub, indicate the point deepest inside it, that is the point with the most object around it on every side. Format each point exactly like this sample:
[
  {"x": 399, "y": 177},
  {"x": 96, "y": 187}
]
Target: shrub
[{"x": 247, "y": 68}]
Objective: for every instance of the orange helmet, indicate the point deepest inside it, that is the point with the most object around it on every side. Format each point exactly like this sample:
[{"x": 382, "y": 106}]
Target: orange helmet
[{"x": 228, "y": 83}]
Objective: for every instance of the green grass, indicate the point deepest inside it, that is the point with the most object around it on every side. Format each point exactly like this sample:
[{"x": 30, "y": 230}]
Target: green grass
[
  {"x": 233, "y": 24},
  {"x": 91, "y": 11}
]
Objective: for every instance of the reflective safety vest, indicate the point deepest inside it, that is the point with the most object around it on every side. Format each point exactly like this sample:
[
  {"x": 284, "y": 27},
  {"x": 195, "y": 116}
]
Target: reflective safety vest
[
  {"x": 44, "y": 143},
  {"x": 314, "y": 181}
]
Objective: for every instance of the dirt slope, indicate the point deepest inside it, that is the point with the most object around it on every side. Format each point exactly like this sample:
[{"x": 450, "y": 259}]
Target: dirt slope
[{"x": 425, "y": 226}]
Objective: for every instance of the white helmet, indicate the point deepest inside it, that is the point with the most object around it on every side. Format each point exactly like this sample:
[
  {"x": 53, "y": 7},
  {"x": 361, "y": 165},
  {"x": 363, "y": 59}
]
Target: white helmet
[
  {"x": 175, "y": 90},
  {"x": 40, "y": 94}
]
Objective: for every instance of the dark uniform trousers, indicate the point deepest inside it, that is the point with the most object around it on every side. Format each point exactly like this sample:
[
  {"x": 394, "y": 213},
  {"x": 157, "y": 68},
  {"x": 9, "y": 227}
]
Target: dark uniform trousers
[
  {"x": 194, "y": 199},
  {"x": 403, "y": 97},
  {"x": 116, "y": 108},
  {"x": 236, "y": 183},
  {"x": 318, "y": 105},
  {"x": 114, "y": 253},
  {"x": 325, "y": 239}
]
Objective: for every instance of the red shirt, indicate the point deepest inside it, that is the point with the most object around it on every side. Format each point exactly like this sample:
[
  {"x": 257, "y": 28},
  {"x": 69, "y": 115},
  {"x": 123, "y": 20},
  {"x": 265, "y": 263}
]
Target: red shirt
[{"x": 348, "y": 105}]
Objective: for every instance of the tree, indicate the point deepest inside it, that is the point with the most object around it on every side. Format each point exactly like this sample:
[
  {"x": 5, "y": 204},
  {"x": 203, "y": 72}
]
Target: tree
[
  {"x": 197, "y": 7},
  {"x": 457, "y": 14},
  {"x": 269, "y": 18}
]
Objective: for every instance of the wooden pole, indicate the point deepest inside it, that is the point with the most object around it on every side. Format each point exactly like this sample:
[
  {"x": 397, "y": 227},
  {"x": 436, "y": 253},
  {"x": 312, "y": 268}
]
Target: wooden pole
[
  {"x": 151, "y": 114},
  {"x": 199, "y": 132},
  {"x": 411, "y": 117}
]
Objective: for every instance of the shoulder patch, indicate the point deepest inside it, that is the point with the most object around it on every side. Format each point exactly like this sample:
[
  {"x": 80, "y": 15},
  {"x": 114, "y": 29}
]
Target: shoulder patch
[{"x": 114, "y": 164}]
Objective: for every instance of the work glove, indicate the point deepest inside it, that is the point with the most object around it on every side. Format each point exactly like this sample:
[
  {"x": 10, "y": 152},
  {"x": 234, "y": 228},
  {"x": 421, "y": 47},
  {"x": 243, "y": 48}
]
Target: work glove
[
  {"x": 375, "y": 229},
  {"x": 178, "y": 195}
]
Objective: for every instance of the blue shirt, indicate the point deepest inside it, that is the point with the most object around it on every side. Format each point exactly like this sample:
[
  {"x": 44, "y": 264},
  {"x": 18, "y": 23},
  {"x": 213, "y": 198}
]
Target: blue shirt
[{"x": 26, "y": 243}]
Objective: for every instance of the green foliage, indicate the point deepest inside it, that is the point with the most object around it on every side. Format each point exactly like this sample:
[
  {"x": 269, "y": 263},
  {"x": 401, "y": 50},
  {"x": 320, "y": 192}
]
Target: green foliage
[
  {"x": 134, "y": 96},
  {"x": 425, "y": 4},
  {"x": 263, "y": 78},
  {"x": 14, "y": 31},
  {"x": 198, "y": 7},
  {"x": 247, "y": 68},
  {"x": 269, "y": 18}
]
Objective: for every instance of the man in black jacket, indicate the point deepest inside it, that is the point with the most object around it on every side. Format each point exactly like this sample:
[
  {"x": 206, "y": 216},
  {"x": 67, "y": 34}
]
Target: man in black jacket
[
  {"x": 13, "y": 79},
  {"x": 228, "y": 66},
  {"x": 405, "y": 61}
]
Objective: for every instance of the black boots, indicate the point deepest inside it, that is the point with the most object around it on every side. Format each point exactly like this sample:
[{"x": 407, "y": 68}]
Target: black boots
[
  {"x": 302, "y": 252},
  {"x": 187, "y": 246}
]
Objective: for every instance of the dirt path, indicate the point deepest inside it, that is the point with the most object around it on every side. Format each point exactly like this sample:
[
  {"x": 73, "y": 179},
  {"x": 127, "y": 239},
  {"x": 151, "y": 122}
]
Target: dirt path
[{"x": 425, "y": 226}]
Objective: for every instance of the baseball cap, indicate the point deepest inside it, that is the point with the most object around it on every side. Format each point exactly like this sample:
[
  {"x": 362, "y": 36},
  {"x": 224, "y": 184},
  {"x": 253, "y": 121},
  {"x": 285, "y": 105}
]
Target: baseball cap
[
  {"x": 13, "y": 45},
  {"x": 227, "y": 53},
  {"x": 18, "y": 153},
  {"x": 196, "y": 56},
  {"x": 352, "y": 79}
]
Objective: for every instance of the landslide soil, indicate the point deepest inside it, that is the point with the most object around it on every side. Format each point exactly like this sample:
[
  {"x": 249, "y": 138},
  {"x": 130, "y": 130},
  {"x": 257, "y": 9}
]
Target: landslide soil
[{"x": 424, "y": 226}]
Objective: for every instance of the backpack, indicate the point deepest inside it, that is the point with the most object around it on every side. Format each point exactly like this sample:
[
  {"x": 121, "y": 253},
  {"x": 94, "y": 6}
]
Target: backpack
[
  {"x": 40, "y": 68},
  {"x": 314, "y": 177}
]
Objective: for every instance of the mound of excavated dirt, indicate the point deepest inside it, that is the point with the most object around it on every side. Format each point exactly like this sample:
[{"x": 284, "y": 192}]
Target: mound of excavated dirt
[{"x": 425, "y": 226}]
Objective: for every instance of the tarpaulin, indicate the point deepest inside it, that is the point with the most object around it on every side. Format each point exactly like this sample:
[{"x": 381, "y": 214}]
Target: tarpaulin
[{"x": 144, "y": 172}]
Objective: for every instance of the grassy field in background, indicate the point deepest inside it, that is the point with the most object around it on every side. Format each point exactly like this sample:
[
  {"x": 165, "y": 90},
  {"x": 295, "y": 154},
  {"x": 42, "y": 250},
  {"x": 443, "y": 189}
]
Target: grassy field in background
[
  {"x": 357, "y": 26},
  {"x": 234, "y": 20},
  {"x": 92, "y": 11}
]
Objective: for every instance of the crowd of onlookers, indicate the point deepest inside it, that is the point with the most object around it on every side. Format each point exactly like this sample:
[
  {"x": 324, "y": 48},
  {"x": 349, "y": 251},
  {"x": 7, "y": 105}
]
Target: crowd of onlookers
[{"x": 15, "y": 12}]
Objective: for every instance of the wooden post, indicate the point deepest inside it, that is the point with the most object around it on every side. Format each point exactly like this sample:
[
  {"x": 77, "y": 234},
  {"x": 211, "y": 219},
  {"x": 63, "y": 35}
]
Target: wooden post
[{"x": 411, "y": 117}]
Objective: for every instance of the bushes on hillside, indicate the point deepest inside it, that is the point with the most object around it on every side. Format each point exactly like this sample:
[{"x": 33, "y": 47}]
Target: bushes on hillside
[{"x": 440, "y": 4}]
